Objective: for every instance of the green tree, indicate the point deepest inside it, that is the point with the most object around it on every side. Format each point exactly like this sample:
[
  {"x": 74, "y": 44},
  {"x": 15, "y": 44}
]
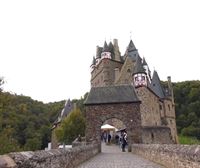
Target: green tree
[
  {"x": 71, "y": 127},
  {"x": 7, "y": 142},
  {"x": 33, "y": 143}
]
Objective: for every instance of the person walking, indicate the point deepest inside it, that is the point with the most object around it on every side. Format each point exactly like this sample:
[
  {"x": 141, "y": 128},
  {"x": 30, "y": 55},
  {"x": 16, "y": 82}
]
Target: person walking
[{"x": 124, "y": 141}]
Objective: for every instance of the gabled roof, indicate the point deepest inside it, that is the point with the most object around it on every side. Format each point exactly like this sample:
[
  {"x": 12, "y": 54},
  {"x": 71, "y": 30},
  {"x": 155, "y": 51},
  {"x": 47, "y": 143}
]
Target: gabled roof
[
  {"x": 138, "y": 68},
  {"x": 112, "y": 94},
  {"x": 156, "y": 86}
]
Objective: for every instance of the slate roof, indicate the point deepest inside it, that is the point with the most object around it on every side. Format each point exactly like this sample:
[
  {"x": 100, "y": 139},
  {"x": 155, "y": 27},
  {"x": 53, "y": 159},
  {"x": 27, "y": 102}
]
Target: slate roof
[
  {"x": 156, "y": 85},
  {"x": 105, "y": 47},
  {"x": 65, "y": 111},
  {"x": 131, "y": 46},
  {"x": 131, "y": 51},
  {"x": 138, "y": 66},
  {"x": 112, "y": 94}
]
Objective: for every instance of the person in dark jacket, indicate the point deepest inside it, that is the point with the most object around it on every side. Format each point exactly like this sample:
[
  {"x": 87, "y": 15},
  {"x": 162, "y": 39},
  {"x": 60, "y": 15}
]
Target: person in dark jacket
[{"x": 124, "y": 141}]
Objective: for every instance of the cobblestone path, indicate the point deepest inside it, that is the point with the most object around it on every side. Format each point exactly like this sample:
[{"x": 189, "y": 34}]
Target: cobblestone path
[{"x": 112, "y": 157}]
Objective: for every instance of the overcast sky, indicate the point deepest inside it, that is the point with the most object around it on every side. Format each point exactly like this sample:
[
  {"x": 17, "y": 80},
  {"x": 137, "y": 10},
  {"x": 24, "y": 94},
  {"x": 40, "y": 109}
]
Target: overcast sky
[{"x": 46, "y": 47}]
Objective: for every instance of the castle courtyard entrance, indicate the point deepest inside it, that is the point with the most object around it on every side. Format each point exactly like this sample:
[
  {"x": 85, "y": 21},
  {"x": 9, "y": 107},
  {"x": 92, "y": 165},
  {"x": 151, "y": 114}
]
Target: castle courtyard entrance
[{"x": 120, "y": 102}]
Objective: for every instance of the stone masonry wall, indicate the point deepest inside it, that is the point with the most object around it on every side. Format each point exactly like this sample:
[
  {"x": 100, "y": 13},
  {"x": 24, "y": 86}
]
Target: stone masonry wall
[
  {"x": 150, "y": 111},
  {"x": 128, "y": 113},
  {"x": 170, "y": 156},
  {"x": 55, "y": 158},
  {"x": 156, "y": 135},
  {"x": 104, "y": 73}
]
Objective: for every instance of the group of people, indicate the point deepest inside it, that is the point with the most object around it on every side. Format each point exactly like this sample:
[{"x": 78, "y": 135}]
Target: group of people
[
  {"x": 106, "y": 137},
  {"x": 120, "y": 139}
]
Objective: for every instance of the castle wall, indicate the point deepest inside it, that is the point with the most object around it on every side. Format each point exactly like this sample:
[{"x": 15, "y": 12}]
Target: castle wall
[
  {"x": 156, "y": 135},
  {"x": 128, "y": 113},
  {"x": 54, "y": 158},
  {"x": 170, "y": 118},
  {"x": 177, "y": 156},
  {"x": 150, "y": 109},
  {"x": 104, "y": 73},
  {"x": 125, "y": 76}
]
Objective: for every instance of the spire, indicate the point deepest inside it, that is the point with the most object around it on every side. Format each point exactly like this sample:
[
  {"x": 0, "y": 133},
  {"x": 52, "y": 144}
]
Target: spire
[
  {"x": 138, "y": 66},
  {"x": 131, "y": 46},
  {"x": 156, "y": 86},
  {"x": 110, "y": 47},
  {"x": 105, "y": 47}
]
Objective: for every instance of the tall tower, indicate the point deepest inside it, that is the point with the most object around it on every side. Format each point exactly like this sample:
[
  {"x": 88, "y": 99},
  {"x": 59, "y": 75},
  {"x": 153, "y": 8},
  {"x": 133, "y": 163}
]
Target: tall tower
[{"x": 106, "y": 65}]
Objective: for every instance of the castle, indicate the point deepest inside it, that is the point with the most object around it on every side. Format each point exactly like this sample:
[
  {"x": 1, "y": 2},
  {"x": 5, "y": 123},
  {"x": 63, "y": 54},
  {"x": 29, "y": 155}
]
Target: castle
[{"x": 109, "y": 68}]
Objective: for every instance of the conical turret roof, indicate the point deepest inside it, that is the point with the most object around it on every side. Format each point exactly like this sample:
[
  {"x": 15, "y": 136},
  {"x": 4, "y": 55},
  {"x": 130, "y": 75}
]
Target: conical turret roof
[
  {"x": 138, "y": 66},
  {"x": 131, "y": 46},
  {"x": 156, "y": 85},
  {"x": 110, "y": 47},
  {"x": 105, "y": 47}
]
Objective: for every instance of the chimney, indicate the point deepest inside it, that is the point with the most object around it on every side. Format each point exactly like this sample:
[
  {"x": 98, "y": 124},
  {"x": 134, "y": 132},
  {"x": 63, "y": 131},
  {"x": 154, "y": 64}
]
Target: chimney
[
  {"x": 170, "y": 89},
  {"x": 116, "y": 50}
]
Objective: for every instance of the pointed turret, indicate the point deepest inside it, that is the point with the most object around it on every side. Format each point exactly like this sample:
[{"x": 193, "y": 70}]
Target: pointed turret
[
  {"x": 105, "y": 47},
  {"x": 146, "y": 67},
  {"x": 131, "y": 46},
  {"x": 139, "y": 73},
  {"x": 138, "y": 66},
  {"x": 110, "y": 47},
  {"x": 156, "y": 85},
  {"x": 131, "y": 51},
  {"x": 111, "y": 50}
]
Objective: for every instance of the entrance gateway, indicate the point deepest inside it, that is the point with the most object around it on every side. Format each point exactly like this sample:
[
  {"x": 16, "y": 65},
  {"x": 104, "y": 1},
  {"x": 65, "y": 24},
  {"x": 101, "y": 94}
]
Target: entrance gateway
[{"x": 108, "y": 102}]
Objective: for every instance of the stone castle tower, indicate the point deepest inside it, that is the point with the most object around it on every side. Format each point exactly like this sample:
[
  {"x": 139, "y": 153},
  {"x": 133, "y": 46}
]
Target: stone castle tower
[{"x": 157, "y": 109}]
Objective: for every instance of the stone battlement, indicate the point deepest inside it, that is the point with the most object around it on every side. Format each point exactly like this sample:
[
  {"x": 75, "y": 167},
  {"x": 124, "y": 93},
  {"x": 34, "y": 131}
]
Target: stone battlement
[{"x": 178, "y": 156}]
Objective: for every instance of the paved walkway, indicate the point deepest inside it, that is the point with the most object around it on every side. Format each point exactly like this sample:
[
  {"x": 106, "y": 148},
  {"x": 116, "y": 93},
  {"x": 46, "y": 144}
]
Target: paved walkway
[{"x": 112, "y": 157}]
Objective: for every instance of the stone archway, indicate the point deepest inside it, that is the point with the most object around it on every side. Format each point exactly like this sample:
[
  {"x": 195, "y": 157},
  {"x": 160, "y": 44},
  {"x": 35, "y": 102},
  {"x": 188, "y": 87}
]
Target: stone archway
[{"x": 113, "y": 104}]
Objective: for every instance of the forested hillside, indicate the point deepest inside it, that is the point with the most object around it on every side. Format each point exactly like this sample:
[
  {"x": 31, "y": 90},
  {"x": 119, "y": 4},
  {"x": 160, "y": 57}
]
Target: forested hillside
[
  {"x": 187, "y": 100},
  {"x": 25, "y": 124}
]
